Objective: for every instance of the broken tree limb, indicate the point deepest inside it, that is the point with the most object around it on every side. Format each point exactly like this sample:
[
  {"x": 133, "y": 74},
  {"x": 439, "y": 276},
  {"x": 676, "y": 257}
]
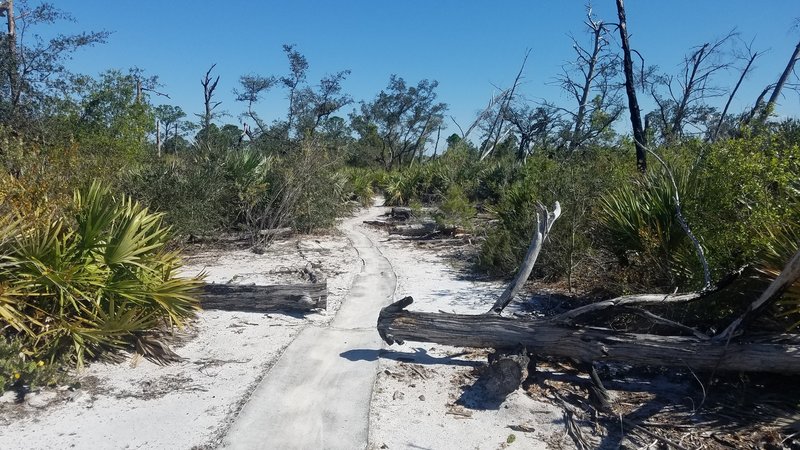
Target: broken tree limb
[
  {"x": 259, "y": 298},
  {"x": 569, "y": 317},
  {"x": 775, "y": 354},
  {"x": 539, "y": 235},
  {"x": 787, "y": 277}
]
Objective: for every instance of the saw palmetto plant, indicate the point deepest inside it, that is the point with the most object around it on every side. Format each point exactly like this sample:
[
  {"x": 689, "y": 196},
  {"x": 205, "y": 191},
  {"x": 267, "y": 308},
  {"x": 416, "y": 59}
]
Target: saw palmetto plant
[
  {"x": 784, "y": 241},
  {"x": 97, "y": 279}
]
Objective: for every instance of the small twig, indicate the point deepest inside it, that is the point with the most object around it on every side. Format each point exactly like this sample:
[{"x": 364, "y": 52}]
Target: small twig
[
  {"x": 652, "y": 435},
  {"x": 664, "y": 321},
  {"x": 418, "y": 372}
]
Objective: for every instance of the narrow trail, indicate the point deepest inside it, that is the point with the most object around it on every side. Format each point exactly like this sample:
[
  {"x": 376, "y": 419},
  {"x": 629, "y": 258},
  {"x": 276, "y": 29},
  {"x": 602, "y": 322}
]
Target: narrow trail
[{"x": 317, "y": 395}]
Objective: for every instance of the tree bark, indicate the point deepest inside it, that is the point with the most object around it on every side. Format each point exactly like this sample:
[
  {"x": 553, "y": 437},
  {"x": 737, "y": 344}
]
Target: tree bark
[
  {"x": 633, "y": 104},
  {"x": 158, "y": 137},
  {"x": 253, "y": 298},
  {"x": 774, "y": 354}
]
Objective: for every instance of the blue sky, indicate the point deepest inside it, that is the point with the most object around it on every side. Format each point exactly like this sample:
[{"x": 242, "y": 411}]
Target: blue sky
[{"x": 468, "y": 46}]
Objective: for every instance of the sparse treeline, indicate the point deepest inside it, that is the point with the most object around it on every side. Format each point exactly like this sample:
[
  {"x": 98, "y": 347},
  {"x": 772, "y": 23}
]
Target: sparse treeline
[{"x": 735, "y": 172}]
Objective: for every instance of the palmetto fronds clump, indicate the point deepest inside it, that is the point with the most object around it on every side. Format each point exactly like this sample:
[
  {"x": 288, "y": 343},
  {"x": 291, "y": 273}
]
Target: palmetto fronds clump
[{"x": 98, "y": 278}]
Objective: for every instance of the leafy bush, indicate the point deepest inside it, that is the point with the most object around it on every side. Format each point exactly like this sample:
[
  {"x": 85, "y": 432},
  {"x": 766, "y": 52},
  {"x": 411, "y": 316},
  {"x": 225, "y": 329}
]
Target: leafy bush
[
  {"x": 363, "y": 184},
  {"x": 730, "y": 195},
  {"x": 220, "y": 189},
  {"x": 747, "y": 186},
  {"x": 93, "y": 280}
]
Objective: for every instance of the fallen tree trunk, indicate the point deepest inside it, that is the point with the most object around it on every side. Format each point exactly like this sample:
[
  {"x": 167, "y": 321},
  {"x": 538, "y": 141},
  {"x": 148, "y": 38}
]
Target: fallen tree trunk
[
  {"x": 255, "y": 298},
  {"x": 776, "y": 354}
]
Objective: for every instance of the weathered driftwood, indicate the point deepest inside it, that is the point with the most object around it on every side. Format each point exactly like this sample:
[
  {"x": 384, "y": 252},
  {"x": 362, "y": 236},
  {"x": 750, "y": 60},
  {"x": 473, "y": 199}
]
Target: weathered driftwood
[
  {"x": 258, "y": 298},
  {"x": 506, "y": 372},
  {"x": 275, "y": 232},
  {"x": 414, "y": 230},
  {"x": 776, "y": 354},
  {"x": 544, "y": 221}
]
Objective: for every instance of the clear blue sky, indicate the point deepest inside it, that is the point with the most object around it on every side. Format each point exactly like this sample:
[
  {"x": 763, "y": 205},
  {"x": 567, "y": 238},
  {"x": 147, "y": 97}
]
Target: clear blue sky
[{"x": 466, "y": 45}]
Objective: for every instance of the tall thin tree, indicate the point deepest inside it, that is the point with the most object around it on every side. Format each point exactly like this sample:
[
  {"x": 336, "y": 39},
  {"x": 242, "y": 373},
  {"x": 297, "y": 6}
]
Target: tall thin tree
[{"x": 630, "y": 89}]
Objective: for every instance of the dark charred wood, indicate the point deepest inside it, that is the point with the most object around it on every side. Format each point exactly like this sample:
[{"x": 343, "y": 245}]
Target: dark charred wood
[{"x": 401, "y": 213}]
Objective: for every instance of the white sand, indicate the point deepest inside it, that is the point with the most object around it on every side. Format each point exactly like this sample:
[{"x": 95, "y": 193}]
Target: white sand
[
  {"x": 191, "y": 404},
  {"x": 415, "y": 404},
  {"x": 188, "y": 404}
]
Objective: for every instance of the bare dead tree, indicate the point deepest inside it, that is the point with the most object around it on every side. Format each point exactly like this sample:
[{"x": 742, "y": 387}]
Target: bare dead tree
[
  {"x": 208, "y": 96},
  {"x": 529, "y": 123},
  {"x": 639, "y": 136},
  {"x": 484, "y": 115},
  {"x": 697, "y": 71},
  {"x": 776, "y": 91},
  {"x": 496, "y": 131},
  {"x": 595, "y": 69},
  {"x": 685, "y": 92},
  {"x": 158, "y": 137},
  {"x": 750, "y": 58}
]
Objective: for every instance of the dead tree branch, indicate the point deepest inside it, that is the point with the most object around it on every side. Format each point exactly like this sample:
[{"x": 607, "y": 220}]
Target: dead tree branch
[{"x": 544, "y": 221}]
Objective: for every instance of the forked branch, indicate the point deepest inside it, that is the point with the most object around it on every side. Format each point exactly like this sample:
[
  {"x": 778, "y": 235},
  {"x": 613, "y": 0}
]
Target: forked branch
[{"x": 540, "y": 234}]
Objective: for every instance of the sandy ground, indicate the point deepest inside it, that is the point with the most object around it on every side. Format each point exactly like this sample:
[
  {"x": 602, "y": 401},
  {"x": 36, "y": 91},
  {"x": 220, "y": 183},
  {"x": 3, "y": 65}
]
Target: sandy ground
[
  {"x": 138, "y": 404},
  {"x": 421, "y": 397}
]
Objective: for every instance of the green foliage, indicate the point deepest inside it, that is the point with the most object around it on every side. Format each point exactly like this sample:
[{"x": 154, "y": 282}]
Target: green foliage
[
  {"x": 363, "y": 184},
  {"x": 638, "y": 220},
  {"x": 574, "y": 182},
  {"x": 737, "y": 189},
  {"x": 783, "y": 242},
  {"x": 17, "y": 367},
  {"x": 93, "y": 280},
  {"x": 398, "y": 123},
  {"x": 748, "y": 185},
  {"x": 455, "y": 209},
  {"x": 219, "y": 188}
]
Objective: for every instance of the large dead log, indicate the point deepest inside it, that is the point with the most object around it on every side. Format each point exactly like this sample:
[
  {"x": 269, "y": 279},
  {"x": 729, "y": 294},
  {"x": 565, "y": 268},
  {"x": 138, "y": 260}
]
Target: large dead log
[
  {"x": 260, "y": 298},
  {"x": 776, "y": 354}
]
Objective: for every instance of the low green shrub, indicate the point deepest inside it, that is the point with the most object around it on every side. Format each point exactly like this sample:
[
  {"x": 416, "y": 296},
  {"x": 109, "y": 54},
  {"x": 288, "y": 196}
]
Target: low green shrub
[
  {"x": 455, "y": 209},
  {"x": 18, "y": 368}
]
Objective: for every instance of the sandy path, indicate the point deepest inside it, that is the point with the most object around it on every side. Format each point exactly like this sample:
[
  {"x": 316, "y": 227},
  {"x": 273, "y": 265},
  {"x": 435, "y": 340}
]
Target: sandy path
[
  {"x": 318, "y": 393},
  {"x": 191, "y": 404}
]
